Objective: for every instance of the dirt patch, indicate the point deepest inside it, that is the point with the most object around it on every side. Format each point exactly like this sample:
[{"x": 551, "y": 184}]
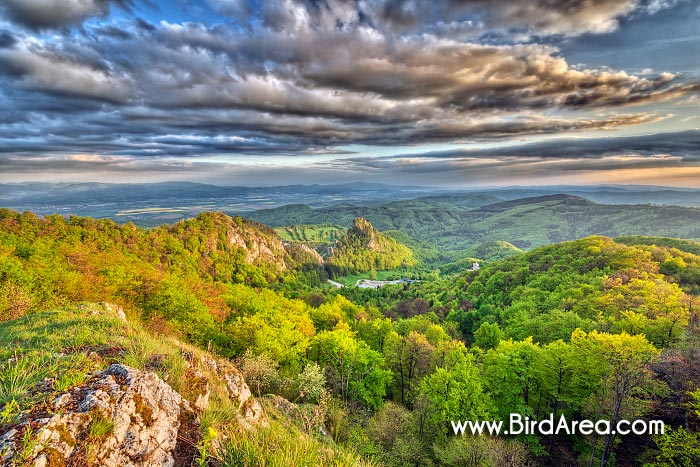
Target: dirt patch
[
  {"x": 188, "y": 436},
  {"x": 157, "y": 362},
  {"x": 105, "y": 352}
]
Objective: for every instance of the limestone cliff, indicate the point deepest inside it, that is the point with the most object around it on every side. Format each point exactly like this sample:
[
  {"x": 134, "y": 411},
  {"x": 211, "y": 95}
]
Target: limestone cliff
[{"x": 217, "y": 232}]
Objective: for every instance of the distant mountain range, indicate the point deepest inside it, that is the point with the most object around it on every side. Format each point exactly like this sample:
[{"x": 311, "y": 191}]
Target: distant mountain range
[{"x": 607, "y": 194}]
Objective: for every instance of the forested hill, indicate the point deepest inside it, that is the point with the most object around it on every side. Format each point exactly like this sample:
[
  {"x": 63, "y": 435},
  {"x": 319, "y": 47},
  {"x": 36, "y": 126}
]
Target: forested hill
[
  {"x": 363, "y": 248},
  {"x": 593, "y": 283},
  {"x": 451, "y": 224},
  {"x": 173, "y": 270}
]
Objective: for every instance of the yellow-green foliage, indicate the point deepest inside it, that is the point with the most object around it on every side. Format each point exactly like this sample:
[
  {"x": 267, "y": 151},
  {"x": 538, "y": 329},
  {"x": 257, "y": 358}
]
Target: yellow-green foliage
[
  {"x": 179, "y": 278},
  {"x": 592, "y": 283},
  {"x": 50, "y": 262},
  {"x": 80, "y": 339}
]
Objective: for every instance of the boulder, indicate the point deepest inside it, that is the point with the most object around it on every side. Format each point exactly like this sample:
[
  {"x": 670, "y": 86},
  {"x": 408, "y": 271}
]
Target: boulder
[{"x": 121, "y": 417}]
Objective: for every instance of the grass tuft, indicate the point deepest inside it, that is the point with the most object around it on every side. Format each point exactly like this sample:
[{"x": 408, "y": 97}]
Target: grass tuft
[
  {"x": 99, "y": 426},
  {"x": 280, "y": 445},
  {"x": 18, "y": 374}
]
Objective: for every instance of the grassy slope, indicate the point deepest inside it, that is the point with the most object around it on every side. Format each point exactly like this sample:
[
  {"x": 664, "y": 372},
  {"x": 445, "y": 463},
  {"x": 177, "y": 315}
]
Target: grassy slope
[
  {"x": 65, "y": 345},
  {"x": 68, "y": 343},
  {"x": 390, "y": 274}
]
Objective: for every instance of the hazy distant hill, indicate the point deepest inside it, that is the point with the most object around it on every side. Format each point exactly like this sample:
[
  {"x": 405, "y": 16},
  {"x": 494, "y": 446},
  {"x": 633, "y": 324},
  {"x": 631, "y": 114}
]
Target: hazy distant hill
[
  {"x": 406, "y": 215},
  {"x": 153, "y": 204},
  {"x": 537, "y": 221},
  {"x": 626, "y": 194}
]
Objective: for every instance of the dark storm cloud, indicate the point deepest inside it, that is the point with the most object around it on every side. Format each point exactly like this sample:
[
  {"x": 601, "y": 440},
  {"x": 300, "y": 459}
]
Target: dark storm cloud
[
  {"x": 46, "y": 14},
  {"x": 235, "y": 8},
  {"x": 75, "y": 164},
  {"x": 556, "y": 160},
  {"x": 556, "y": 157},
  {"x": 569, "y": 17},
  {"x": 201, "y": 132},
  {"x": 6, "y": 39},
  {"x": 373, "y": 91},
  {"x": 62, "y": 75}
]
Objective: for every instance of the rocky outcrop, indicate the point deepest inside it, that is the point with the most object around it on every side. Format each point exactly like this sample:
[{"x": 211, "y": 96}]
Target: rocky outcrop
[
  {"x": 364, "y": 248},
  {"x": 363, "y": 229},
  {"x": 260, "y": 244},
  {"x": 250, "y": 410},
  {"x": 121, "y": 418},
  {"x": 257, "y": 248}
]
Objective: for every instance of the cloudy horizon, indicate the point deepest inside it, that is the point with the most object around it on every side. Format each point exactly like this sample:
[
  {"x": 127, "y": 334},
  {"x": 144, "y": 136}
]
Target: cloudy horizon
[{"x": 453, "y": 93}]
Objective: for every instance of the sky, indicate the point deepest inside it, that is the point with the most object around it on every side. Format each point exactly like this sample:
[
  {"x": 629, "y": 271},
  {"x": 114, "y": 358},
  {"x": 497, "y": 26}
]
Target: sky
[{"x": 443, "y": 93}]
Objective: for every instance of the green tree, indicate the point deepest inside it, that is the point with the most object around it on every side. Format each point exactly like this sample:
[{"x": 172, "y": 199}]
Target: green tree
[
  {"x": 454, "y": 392},
  {"x": 618, "y": 365},
  {"x": 510, "y": 372},
  {"x": 488, "y": 336},
  {"x": 259, "y": 371},
  {"x": 393, "y": 429},
  {"x": 678, "y": 448},
  {"x": 353, "y": 369},
  {"x": 311, "y": 383},
  {"x": 410, "y": 358}
]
